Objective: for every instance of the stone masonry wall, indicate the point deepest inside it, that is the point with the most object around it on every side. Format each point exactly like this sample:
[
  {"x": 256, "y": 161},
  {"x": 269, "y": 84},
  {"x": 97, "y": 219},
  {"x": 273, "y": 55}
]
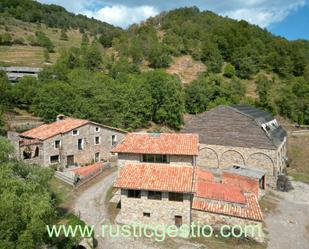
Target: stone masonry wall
[
  {"x": 161, "y": 211},
  {"x": 87, "y": 154},
  {"x": 221, "y": 157}
]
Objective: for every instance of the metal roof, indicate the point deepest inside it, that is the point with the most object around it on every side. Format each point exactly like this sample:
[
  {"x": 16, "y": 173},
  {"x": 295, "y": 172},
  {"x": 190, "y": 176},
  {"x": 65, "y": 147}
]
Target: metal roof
[
  {"x": 246, "y": 171},
  {"x": 21, "y": 69}
]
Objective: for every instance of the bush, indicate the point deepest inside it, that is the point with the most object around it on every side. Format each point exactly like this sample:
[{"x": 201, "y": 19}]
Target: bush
[
  {"x": 229, "y": 70},
  {"x": 284, "y": 184},
  {"x": 6, "y": 39}
]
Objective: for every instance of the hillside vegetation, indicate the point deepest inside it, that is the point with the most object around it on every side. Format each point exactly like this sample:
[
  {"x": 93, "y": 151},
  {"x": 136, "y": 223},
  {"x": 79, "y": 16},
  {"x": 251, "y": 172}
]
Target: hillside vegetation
[{"x": 121, "y": 77}]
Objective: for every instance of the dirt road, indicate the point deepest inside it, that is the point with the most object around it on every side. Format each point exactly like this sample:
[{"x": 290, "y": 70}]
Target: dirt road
[{"x": 288, "y": 225}]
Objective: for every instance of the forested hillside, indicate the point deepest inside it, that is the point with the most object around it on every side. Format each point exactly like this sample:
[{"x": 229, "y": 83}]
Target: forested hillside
[{"x": 118, "y": 77}]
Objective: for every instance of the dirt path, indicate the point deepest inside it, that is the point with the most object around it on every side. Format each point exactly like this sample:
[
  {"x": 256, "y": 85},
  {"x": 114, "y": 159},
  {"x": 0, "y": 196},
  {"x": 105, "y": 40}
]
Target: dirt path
[
  {"x": 90, "y": 204},
  {"x": 288, "y": 225}
]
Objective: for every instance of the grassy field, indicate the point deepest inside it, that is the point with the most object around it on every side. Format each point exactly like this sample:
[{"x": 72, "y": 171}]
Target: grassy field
[
  {"x": 26, "y": 55},
  {"x": 298, "y": 153}
]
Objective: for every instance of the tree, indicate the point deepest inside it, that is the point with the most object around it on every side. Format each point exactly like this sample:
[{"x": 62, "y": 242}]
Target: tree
[
  {"x": 263, "y": 86},
  {"x": 25, "y": 91},
  {"x": 92, "y": 58},
  {"x": 44, "y": 41},
  {"x": 5, "y": 90},
  {"x": 54, "y": 98},
  {"x": 159, "y": 57},
  {"x": 5, "y": 39},
  {"x": 245, "y": 67},
  {"x": 46, "y": 56},
  {"x": 211, "y": 57},
  {"x": 63, "y": 35},
  {"x": 168, "y": 98},
  {"x": 25, "y": 202},
  {"x": 85, "y": 39},
  {"x": 229, "y": 70},
  {"x": 211, "y": 90}
]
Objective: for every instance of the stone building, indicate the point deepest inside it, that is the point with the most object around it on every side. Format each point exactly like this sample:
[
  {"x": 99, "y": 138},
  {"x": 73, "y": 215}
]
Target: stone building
[
  {"x": 170, "y": 148},
  {"x": 241, "y": 135},
  {"x": 66, "y": 142},
  {"x": 161, "y": 194},
  {"x": 155, "y": 194}
]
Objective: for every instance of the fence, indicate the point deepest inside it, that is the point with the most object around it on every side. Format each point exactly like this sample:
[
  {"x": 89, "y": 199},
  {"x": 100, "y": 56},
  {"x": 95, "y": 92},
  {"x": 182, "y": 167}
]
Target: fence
[{"x": 76, "y": 180}]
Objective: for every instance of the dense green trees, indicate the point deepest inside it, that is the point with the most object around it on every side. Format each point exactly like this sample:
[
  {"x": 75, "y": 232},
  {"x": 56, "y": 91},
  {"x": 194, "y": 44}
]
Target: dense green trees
[
  {"x": 168, "y": 99},
  {"x": 211, "y": 90},
  {"x": 52, "y": 15},
  {"x": 26, "y": 204}
]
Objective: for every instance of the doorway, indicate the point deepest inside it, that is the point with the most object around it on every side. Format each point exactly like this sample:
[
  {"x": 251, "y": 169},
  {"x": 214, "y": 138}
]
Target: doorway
[{"x": 70, "y": 160}]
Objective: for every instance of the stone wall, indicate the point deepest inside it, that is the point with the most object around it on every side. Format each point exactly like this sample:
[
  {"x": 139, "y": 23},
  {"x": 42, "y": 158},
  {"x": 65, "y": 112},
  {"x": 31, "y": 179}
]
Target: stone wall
[
  {"x": 218, "y": 220},
  {"x": 125, "y": 158},
  {"x": 87, "y": 154},
  {"x": 221, "y": 157},
  {"x": 161, "y": 211}
]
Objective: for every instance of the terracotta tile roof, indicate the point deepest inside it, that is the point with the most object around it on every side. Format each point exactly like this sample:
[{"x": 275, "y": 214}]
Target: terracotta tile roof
[
  {"x": 219, "y": 192},
  {"x": 204, "y": 175},
  {"x": 87, "y": 170},
  {"x": 49, "y": 130},
  {"x": 155, "y": 143},
  {"x": 160, "y": 177},
  {"x": 250, "y": 211}
]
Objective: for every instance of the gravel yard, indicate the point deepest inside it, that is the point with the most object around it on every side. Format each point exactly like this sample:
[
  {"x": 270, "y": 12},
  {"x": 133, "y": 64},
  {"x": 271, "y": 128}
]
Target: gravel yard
[{"x": 288, "y": 224}]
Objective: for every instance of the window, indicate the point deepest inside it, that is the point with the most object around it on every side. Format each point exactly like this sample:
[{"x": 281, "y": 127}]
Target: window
[
  {"x": 54, "y": 159},
  {"x": 145, "y": 214},
  {"x": 27, "y": 153},
  {"x": 134, "y": 193},
  {"x": 36, "y": 152},
  {"x": 155, "y": 158},
  {"x": 175, "y": 196},
  {"x": 97, "y": 140},
  {"x": 80, "y": 144},
  {"x": 114, "y": 139},
  {"x": 97, "y": 129},
  {"x": 75, "y": 132},
  {"x": 178, "y": 220},
  {"x": 57, "y": 144},
  {"x": 154, "y": 195},
  {"x": 97, "y": 157}
]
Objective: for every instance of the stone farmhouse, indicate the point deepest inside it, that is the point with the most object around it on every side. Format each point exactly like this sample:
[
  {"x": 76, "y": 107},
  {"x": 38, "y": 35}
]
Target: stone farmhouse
[
  {"x": 169, "y": 148},
  {"x": 240, "y": 135},
  {"x": 66, "y": 142},
  {"x": 175, "y": 193}
]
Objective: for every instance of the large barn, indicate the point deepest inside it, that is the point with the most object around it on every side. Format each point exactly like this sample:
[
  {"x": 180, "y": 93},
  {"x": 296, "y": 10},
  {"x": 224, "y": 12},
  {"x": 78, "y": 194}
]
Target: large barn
[{"x": 240, "y": 135}]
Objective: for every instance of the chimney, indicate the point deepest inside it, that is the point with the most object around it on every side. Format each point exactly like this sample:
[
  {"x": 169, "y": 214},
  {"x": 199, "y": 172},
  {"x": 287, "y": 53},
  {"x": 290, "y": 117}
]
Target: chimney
[{"x": 60, "y": 117}]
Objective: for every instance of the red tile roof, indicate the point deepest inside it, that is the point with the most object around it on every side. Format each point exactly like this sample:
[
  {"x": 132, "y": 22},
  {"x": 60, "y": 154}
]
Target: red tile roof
[
  {"x": 160, "y": 177},
  {"x": 204, "y": 175},
  {"x": 49, "y": 130},
  {"x": 155, "y": 143},
  {"x": 219, "y": 192},
  {"x": 87, "y": 170},
  {"x": 250, "y": 211}
]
